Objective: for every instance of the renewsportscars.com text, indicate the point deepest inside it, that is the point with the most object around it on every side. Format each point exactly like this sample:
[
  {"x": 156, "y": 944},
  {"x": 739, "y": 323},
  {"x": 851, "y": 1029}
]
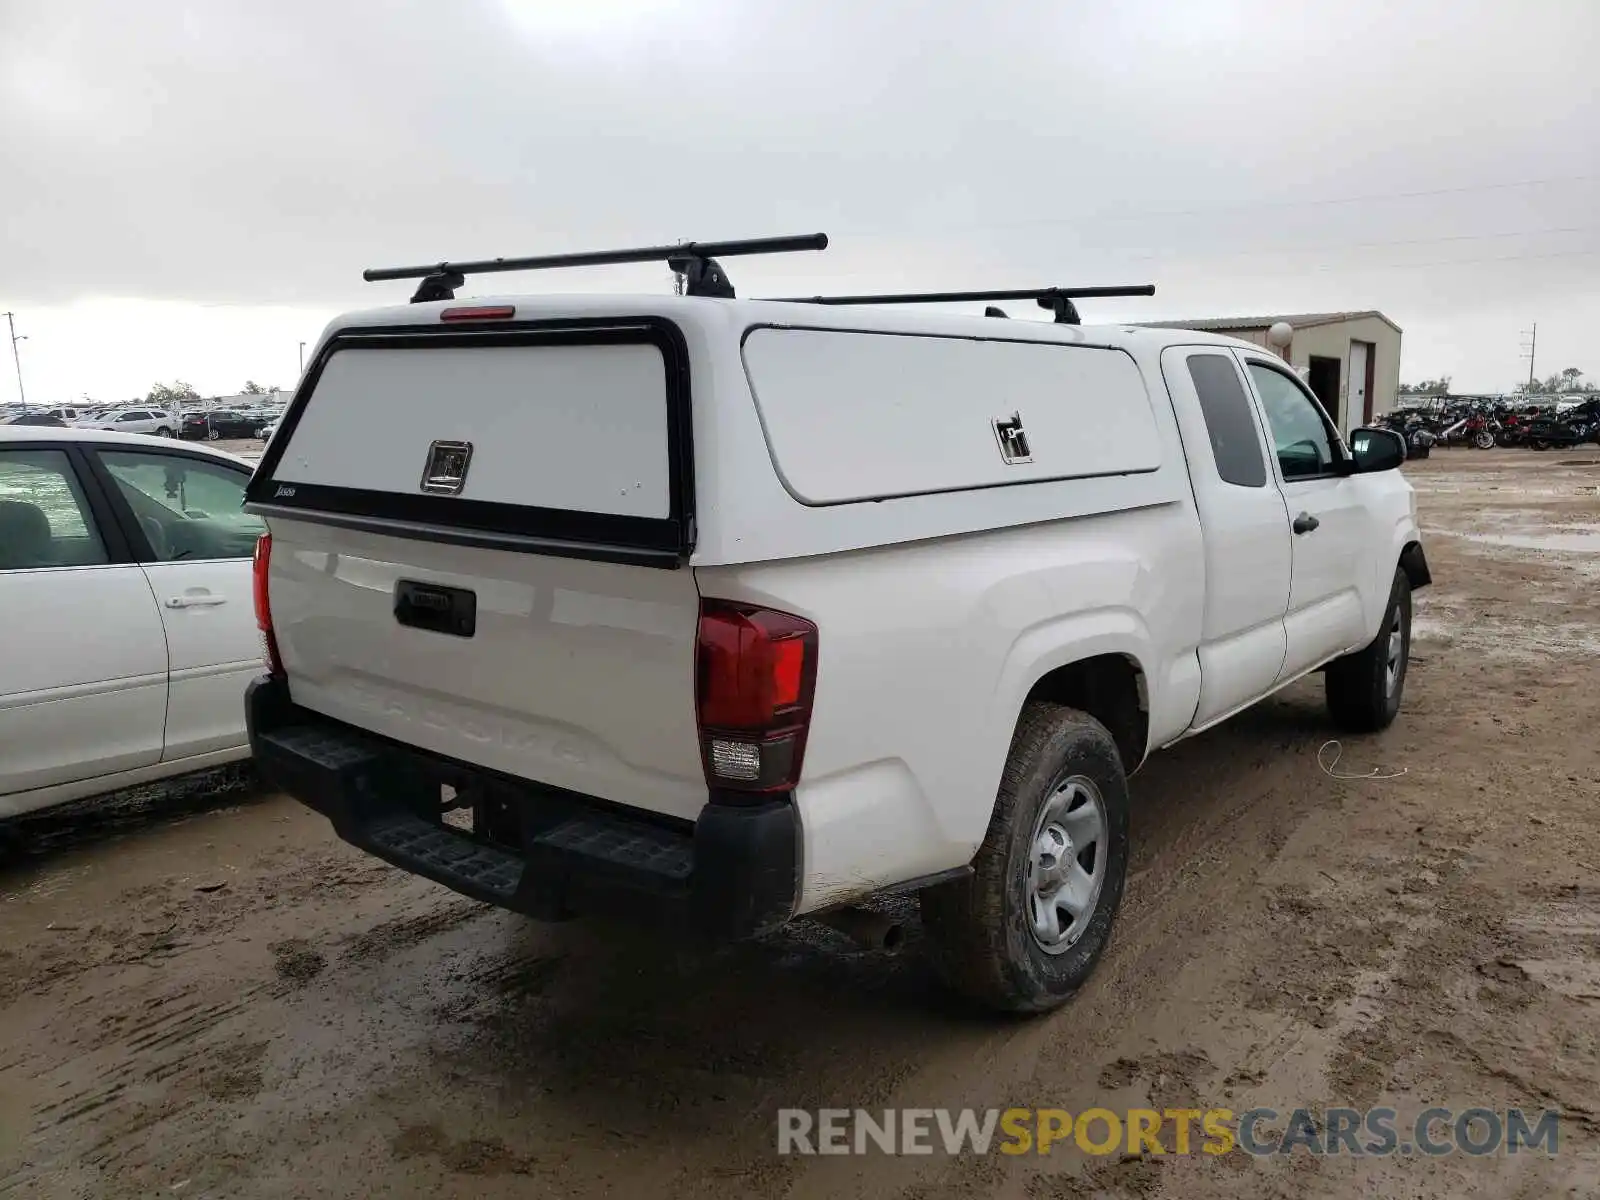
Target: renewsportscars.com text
[{"x": 1148, "y": 1131}]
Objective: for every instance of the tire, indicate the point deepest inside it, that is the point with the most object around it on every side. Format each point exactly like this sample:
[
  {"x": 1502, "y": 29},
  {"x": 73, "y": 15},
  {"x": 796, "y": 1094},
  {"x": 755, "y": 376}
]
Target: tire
[
  {"x": 214, "y": 435},
  {"x": 163, "y": 432},
  {"x": 982, "y": 928},
  {"x": 1483, "y": 440},
  {"x": 1362, "y": 697}
]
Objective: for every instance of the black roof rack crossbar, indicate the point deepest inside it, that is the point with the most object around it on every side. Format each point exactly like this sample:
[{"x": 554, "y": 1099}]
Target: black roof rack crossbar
[
  {"x": 695, "y": 261},
  {"x": 1056, "y": 299}
]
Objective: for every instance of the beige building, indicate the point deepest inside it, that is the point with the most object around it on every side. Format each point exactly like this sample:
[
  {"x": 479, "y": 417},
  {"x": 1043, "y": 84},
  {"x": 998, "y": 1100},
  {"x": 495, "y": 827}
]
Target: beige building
[{"x": 1351, "y": 360}]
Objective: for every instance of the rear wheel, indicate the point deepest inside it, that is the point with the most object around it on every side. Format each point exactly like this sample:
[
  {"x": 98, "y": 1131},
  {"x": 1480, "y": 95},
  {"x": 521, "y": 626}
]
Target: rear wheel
[
  {"x": 1026, "y": 929},
  {"x": 1364, "y": 688},
  {"x": 163, "y": 432},
  {"x": 1483, "y": 440},
  {"x": 215, "y": 435}
]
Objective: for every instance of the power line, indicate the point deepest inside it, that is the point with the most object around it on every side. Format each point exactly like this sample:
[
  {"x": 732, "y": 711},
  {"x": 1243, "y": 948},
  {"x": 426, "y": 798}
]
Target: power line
[
  {"x": 1254, "y": 206},
  {"x": 1272, "y": 252},
  {"x": 1372, "y": 196},
  {"x": 1443, "y": 262}
]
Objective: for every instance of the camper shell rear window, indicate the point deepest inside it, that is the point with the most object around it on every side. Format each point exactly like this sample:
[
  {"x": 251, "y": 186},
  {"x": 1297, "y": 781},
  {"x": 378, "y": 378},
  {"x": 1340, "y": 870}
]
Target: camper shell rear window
[{"x": 568, "y": 437}]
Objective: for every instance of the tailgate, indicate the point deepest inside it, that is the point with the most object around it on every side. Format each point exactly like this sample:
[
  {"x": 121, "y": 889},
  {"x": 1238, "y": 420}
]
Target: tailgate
[{"x": 478, "y": 542}]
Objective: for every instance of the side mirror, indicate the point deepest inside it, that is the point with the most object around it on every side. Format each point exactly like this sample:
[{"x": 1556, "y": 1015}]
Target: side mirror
[{"x": 1376, "y": 450}]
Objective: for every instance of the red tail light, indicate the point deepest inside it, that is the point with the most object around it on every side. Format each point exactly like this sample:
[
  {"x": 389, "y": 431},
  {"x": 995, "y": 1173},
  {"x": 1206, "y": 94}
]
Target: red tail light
[
  {"x": 487, "y": 312},
  {"x": 755, "y": 674},
  {"x": 259, "y": 568}
]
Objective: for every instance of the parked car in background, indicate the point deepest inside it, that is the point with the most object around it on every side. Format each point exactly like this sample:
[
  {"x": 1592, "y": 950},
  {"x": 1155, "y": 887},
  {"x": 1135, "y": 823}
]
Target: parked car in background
[
  {"x": 68, "y": 414},
  {"x": 135, "y": 420},
  {"x": 37, "y": 419},
  {"x": 125, "y": 580},
  {"x": 214, "y": 425},
  {"x": 264, "y": 434}
]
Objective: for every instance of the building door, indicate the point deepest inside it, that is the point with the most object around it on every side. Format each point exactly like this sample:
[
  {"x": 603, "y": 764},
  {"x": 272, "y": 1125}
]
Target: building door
[
  {"x": 1323, "y": 376},
  {"x": 1360, "y": 406},
  {"x": 1370, "y": 384}
]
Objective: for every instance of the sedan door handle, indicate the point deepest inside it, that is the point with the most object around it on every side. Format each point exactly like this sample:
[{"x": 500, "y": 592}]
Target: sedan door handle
[
  {"x": 195, "y": 601},
  {"x": 1305, "y": 523}
]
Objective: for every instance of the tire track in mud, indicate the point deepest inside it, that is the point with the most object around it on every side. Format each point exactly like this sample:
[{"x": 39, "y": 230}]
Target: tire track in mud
[
  {"x": 395, "y": 935},
  {"x": 156, "y": 1048}
]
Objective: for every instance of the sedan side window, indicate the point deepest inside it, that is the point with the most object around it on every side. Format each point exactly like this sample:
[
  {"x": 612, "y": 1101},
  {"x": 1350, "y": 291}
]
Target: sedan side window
[
  {"x": 44, "y": 520},
  {"x": 189, "y": 508},
  {"x": 1300, "y": 433}
]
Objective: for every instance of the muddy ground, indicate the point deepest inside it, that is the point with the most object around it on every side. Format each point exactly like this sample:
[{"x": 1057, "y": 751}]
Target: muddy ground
[{"x": 202, "y": 993}]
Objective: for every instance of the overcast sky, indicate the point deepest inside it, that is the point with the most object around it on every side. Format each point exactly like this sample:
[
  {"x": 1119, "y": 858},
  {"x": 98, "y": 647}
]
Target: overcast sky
[{"x": 190, "y": 190}]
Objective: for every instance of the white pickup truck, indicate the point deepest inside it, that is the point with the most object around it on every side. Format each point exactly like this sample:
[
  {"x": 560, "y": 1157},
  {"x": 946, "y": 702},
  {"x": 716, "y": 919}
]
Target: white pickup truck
[{"x": 731, "y": 611}]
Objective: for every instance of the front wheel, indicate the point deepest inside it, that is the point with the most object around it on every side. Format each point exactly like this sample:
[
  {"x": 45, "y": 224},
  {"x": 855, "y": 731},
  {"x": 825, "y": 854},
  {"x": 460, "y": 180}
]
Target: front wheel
[
  {"x": 1025, "y": 930},
  {"x": 1364, "y": 688},
  {"x": 163, "y": 432}
]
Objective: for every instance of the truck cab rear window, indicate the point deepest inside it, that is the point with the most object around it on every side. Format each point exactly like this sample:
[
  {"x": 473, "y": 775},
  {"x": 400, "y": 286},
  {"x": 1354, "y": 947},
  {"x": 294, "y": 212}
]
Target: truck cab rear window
[{"x": 1235, "y": 444}]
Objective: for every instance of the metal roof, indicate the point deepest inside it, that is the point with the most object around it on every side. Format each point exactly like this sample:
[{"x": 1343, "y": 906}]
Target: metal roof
[{"x": 1297, "y": 320}]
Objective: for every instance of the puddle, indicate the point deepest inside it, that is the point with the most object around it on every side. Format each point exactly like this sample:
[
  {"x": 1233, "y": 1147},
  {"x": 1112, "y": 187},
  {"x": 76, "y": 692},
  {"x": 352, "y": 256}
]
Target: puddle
[
  {"x": 1443, "y": 622},
  {"x": 1517, "y": 641},
  {"x": 1563, "y": 539},
  {"x": 1586, "y": 541}
]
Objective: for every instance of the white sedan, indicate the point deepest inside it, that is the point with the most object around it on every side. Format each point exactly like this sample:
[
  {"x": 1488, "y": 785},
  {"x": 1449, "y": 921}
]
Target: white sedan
[{"x": 129, "y": 624}]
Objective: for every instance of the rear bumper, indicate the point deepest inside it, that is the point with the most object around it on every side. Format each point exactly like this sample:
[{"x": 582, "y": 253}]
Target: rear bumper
[{"x": 535, "y": 849}]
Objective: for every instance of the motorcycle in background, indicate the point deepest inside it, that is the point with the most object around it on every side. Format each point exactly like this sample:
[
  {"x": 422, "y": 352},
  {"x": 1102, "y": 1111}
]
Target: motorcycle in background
[
  {"x": 1418, "y": 437},
  {"x": 1473, "y": 428},
  {"x": 1571, "y": 428},
  {"x": 1513, "y": 430}
]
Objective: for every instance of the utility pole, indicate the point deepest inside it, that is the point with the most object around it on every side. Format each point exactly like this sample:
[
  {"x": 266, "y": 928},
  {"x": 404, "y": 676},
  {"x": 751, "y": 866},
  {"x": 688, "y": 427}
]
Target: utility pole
[
  {"x": 1530, "y": 347},
  {"x": 11, "y": 323}
]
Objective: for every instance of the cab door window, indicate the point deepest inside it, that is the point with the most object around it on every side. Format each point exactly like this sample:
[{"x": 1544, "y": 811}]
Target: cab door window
[{"x": 1301, "y": 434}]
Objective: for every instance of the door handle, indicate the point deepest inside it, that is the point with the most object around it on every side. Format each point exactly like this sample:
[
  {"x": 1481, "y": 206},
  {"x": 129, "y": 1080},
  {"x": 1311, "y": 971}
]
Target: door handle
[
  {"x": 195, "y": 601},
  {"x": 1305, "y": 523}
]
